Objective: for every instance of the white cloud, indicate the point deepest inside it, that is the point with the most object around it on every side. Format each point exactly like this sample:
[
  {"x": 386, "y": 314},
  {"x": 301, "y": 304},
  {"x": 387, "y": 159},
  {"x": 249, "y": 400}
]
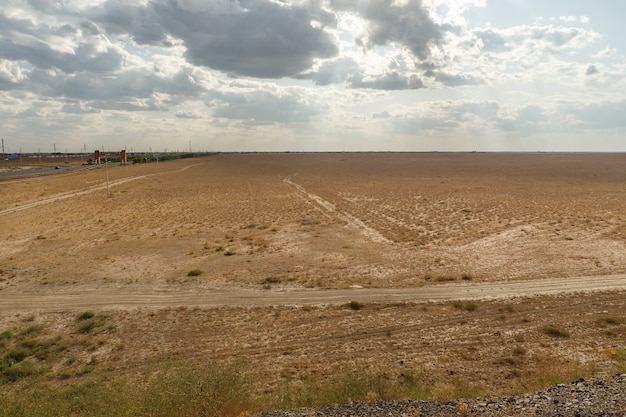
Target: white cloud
[{"x": 575, "y": 19}]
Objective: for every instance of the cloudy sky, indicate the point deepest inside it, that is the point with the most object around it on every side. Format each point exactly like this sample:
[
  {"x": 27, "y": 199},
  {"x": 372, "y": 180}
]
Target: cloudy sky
[{"x": 313, "y": 75}]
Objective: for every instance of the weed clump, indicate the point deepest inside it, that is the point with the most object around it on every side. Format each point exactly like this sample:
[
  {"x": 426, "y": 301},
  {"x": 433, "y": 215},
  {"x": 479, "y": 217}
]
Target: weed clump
[
  {"x": 555, "y": 331},
  {"x": 465, "y": 305},
  {"x": 85, "y": 316},
  {"x": 355, "y": 305},
  {"x": 87, "y": 326},
  {"x": 195, "y": 273},
  {"x": 612, "y": 321}
]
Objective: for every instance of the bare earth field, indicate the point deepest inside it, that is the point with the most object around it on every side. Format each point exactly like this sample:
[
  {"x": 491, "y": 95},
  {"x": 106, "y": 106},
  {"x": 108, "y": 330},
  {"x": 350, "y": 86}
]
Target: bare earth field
[{"x": 456, "y": 263}]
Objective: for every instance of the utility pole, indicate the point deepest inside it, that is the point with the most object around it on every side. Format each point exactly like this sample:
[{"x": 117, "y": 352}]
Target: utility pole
[
  {"x": 106, "y": 168},
  {"x": 2, "y": 148}
]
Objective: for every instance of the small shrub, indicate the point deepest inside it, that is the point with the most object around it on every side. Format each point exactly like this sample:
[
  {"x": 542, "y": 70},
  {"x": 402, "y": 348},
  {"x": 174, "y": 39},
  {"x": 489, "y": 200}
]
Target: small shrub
[
  {"x": 614, "y": 321},
  {"x": 15, "y": 356},
  {"x": 35, "y": 328},
  {"x": 519, "y": 350},
  {"x": 471, "y": 306},
  {"x": 6, "y": 335},
  {"x": 20, "y": 370},
  {"x": 467, "y": 277},
  {"x": 445, "y": 278},
  {"x": 87, "y": 326},
  {"x": 271, "y": 280},
  {"x": 465, "y": 305},
  {"x": 85, "y": 316},
  {"x": 555, "y": 331},
  {"x": 194, "y": 273},
  {"x": 355, "y": 305},
  {"x": 507, "y": 308},
  {"x": 229, "y": 253}
]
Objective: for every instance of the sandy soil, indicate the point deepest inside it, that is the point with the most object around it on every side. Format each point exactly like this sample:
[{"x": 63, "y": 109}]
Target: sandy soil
[{"x": 297, "y": 236}]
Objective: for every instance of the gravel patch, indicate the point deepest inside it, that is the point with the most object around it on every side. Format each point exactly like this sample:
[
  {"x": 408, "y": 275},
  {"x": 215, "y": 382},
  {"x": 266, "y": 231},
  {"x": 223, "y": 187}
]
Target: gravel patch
[{"x": 582, "y": 398}]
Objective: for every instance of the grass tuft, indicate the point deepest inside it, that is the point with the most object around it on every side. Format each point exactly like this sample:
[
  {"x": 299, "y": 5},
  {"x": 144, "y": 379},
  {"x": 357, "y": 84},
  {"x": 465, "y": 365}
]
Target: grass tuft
[
  {"x": 87, "y": 326},
  {"x": 355, "y": 305},
  {"x": 613, "y": 321},
  {"x": 465, "y": 305},
  {"x": 195, "y": 273},
  {"x": 555, "y": 331},
  {"x": 85, "y": 316}
]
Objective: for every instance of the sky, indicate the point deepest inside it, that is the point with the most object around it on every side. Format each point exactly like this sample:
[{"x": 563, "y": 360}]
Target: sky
[{"x": 313, "y": 75}]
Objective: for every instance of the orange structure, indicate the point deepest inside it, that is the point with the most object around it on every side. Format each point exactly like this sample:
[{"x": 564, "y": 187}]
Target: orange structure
[{"x": 97, "y": 156}]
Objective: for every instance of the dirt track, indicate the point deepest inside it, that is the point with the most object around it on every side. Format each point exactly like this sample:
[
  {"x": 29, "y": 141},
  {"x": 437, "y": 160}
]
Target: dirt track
[{"x": 13, "y": 301}]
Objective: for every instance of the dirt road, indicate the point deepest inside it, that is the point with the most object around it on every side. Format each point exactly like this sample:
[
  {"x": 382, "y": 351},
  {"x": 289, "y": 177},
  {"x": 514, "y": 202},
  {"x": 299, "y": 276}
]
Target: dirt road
[{"x": 145, "y": 297}]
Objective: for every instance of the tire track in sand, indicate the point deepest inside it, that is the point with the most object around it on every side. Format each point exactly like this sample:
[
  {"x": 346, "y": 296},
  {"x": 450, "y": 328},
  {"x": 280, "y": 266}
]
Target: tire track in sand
[
  {"x": 329, "y": 208},
  {"x": 70, "y": 194}
]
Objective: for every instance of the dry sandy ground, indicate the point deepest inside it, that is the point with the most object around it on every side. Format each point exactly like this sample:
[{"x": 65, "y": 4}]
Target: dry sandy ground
[{"x": 304, "y": 234}]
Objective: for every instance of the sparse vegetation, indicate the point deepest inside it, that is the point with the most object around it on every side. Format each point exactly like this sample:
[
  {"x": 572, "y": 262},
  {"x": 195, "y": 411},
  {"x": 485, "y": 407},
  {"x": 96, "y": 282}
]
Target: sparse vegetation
[
  {"x": 555, "y": 331},
  {"x": 355, "y": 305},
  {"x": 194, "y": 273},
  {"x": 611, "y": 321},
  {"x": 268, "y": 281},
  {"x": 86, "y": 326},
  {"x": 445, "y": 278},
  {"x": 85, "y": 316},
  {"x": 224, "y": 391},
  {"x": 465, "y": 305}
]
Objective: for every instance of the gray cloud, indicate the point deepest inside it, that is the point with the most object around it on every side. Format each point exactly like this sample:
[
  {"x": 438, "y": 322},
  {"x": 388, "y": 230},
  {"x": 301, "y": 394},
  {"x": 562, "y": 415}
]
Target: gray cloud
[
  {"x": 334, "y": 72},
  {"x": 416, "y": 124},
  {"x": 78, "y": 107},
  {"x": 389, "y": 81},
  {"x": 86, "y": 49},
  {"x": 261, "y": 38},
  {"x": 263, "y": 107},
  {"x": 604, "y": 115},
  {"x": 131, "y": 90},
  {"x": 382, "y": 115},
  {"x": 527, "y": 119},
  {"x": 407, "y": 23},
  {"x": 188, "y": 115},
  {"x": 491, "y": 41},
  {"x": 455, "y": 80},
  {"x": 347, "y": 70}
]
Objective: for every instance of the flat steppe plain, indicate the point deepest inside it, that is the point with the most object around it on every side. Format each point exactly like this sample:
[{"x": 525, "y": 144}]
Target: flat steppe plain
[{"x": 280, "y": 243}]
